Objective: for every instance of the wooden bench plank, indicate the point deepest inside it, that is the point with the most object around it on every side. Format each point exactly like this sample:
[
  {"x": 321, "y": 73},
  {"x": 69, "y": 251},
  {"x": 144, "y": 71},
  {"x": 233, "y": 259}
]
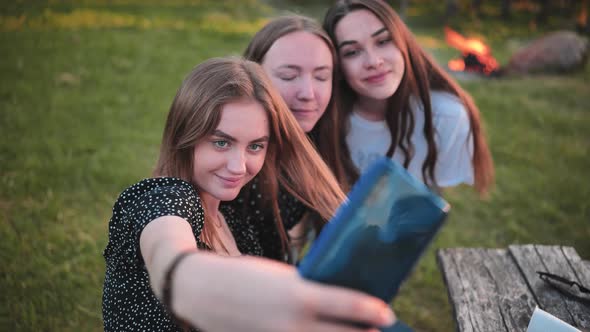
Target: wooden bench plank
[
  {"x": 532, "y": 258},
  {"x": 455, "y": 289},
  {"x": 450, "y": 273},
  {"x": 581, "y": 268},
  {"x": 558, "y": 263},
  {"x": 497, "y": 290},
  {"x": 529, "y": 261},
  {"x": 515, "y": 299},
  {"x": 477, "y": 306}
]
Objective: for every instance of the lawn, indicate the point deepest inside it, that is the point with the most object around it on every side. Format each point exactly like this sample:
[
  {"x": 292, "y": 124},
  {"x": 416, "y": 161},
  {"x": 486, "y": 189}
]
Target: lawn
[{"x": 84, "y": 92}]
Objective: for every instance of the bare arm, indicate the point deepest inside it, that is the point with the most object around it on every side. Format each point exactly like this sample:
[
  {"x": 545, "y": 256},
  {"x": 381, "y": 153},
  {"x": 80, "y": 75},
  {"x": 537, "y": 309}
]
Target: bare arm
[
  {"x": 219, "y": 293},
  {"x": 160, "y": 242}
]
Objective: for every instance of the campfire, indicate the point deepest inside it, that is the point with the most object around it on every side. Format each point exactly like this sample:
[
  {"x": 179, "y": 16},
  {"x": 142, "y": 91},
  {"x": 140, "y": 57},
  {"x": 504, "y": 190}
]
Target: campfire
[{"x": 476, "y": 55}]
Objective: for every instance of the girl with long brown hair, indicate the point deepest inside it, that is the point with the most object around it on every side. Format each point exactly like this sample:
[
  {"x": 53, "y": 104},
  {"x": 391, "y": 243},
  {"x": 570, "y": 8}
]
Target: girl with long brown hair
[
  {"x": 299, "y": 58},
  {"x": 170, "y": 236},
  {"x": 398, "y": 102}
]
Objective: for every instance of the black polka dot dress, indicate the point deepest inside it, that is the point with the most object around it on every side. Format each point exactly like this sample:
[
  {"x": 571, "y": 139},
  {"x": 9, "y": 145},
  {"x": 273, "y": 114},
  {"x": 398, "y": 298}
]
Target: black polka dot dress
[{"x": 128, "y": 301}]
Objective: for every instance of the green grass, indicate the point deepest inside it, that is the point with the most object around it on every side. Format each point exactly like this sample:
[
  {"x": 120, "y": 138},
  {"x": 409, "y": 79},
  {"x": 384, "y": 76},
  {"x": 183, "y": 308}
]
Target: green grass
[
  {"x": 539, "y": 136},
  {"x": 82, "y": 107}
]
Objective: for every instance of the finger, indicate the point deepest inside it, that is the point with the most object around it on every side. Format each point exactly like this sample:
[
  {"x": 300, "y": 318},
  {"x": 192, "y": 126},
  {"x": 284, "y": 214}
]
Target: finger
[{"x": 341, "y": 304}]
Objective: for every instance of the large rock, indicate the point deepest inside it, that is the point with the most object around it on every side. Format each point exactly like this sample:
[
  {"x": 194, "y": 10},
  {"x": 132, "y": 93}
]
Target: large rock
[{"x": 561, "y": 51}]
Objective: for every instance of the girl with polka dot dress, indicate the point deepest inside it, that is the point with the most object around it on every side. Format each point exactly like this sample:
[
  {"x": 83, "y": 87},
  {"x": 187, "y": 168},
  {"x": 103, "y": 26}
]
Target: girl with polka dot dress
[{"x": 184, "y": 254}]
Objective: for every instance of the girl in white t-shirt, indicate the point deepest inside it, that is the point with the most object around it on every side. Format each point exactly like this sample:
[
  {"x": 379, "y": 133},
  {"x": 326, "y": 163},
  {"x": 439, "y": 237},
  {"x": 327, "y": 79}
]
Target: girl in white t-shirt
[{"x": 400, "y": 103}]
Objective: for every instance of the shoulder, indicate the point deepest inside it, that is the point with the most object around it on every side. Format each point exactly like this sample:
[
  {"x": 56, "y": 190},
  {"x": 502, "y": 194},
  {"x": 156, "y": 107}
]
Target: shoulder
[
  {"x": 447, "y": 105},
  {"x": 155, "y": 191},
  {"x": 140, "y": 204},
  {"x": 448, "y": 112},
  {"x": 149, "y": 184}
]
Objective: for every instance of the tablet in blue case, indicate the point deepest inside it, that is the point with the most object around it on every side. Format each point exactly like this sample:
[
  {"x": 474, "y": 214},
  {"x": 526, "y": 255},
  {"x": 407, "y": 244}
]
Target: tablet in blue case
[{"x": 377, "y": 236}]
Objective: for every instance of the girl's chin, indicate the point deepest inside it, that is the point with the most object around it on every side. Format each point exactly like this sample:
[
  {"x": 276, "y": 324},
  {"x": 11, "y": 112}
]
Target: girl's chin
[
  {"x": 226, "y": 194},
  {"x": 381, "y": 93},
  {"x": 307, "y": 124}
]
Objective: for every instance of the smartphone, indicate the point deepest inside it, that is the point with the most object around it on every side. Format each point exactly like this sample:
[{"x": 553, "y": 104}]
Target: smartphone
[{"x": 378, "y": 235}]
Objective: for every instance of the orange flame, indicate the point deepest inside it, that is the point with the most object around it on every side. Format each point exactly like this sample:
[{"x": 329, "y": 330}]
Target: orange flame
[
  {"x": 457, "y": 64},
  {"x": 466, "y": 45},
  {"x": 470, "y": 46}
]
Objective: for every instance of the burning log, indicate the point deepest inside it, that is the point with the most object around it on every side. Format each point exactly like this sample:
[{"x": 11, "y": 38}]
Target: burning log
[
  {"x": 476, "y": 55},
  {"x": 561, "y": 51}
]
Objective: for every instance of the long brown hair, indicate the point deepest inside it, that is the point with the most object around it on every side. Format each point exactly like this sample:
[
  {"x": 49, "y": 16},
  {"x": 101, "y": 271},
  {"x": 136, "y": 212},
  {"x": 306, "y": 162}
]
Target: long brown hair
[
  {"x": 326, "y": 134},
  {"x": 195, "y": 113},
  {"x": 422, "y": 74}
]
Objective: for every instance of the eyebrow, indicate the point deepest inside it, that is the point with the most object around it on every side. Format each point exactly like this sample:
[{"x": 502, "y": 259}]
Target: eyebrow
[
  {"x": 220, "y": 133},
  {"x": 374, "y": 34},
  {"x": 289, "y": 67},
  {"x": 323, "y": 68},
  {"x": 294, "y": 67}
]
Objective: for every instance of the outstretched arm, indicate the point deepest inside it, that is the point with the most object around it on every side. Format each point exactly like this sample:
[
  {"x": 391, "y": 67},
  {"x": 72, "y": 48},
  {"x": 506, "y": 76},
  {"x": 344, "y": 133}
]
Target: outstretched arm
[{"x": 219, "y": 293}]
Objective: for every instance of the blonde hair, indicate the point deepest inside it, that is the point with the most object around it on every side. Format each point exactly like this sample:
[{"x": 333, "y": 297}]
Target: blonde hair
[{"x": 291, "y": 159}]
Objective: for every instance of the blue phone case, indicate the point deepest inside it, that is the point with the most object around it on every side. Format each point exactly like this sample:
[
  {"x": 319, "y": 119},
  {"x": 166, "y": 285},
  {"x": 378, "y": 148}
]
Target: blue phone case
[{"x": 377, "y": 236}]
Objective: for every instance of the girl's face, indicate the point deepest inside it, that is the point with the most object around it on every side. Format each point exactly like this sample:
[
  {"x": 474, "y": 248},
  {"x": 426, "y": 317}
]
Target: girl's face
[
  {"x": 300, "y": 66},
  {"x": 226, "y": 160},
  {"x": 372, "y": 64}
]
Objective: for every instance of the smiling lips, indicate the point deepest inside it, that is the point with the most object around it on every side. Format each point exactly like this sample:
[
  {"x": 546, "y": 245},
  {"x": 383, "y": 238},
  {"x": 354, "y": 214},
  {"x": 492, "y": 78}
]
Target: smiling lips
[
  {"x": 302, "y": 111},
  {"x": 230, "y": 182},
  {"x": 378, "y": 78}
]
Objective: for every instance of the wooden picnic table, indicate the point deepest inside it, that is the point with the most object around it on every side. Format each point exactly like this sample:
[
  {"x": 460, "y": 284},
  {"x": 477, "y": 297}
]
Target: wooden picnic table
[{"x": 498, "y": 289}]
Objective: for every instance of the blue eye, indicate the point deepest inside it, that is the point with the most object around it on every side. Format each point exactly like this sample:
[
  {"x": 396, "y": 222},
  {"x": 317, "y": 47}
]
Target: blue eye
[
  {"x": 221, "y": 144},
  {"x": 256, "y": 147},
  {"x": 384, "y": 41}
]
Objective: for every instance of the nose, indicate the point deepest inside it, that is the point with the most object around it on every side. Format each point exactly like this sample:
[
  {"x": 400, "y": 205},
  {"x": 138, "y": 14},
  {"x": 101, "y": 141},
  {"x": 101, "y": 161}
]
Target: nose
[
  {"x": 305, "y": 89},
  {"x": 236, "y": 162},
  {"x": 373, "y": 59}
]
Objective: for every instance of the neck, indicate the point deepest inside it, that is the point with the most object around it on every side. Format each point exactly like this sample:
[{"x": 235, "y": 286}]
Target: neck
[
  {"x": 210, "y": 203},
  {"x": 371, "y": 109}
]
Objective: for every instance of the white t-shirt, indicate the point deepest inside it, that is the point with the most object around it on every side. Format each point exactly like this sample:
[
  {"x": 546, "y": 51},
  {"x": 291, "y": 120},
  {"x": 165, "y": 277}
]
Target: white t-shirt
[{"x": 368, "y": 140}]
